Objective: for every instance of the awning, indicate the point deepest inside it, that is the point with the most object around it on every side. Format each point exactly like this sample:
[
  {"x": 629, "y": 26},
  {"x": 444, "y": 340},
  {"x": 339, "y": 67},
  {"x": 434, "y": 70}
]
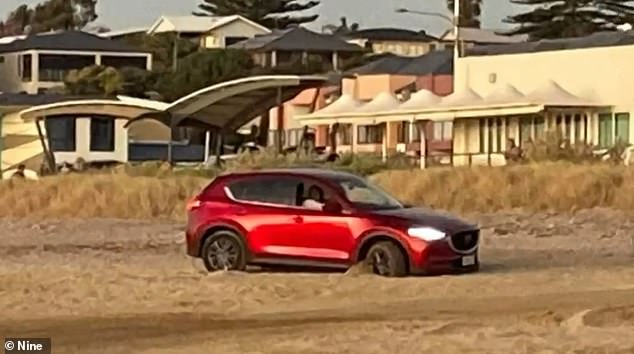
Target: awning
[
  {"x": 230, "y": 105},
  {"x": 104, "y": 107}
]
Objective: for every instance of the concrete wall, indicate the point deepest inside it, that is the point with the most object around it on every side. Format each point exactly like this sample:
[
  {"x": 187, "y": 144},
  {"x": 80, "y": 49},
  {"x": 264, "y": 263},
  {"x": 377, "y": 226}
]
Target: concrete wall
[{"x": 605, "y": 74}]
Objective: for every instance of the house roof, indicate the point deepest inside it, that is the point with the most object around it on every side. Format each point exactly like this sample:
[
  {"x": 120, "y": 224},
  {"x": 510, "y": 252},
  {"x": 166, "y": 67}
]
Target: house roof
[
  {"x": 196, "y": 24},
  {"x": 438, "y": 62},
  {"x": 484, "y": 36},
  {"x": 67, "y": 41},
  {"x": 600, "y": 39},
  {"x": 26, "y": 100},
  {"x": 297, "y": 39},
  {"x": 123, "y": 32},
  {"x": 391, "y": 34}
]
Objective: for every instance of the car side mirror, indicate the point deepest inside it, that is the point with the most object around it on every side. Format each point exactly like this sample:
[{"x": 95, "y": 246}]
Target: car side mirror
[{"x": 332, "y": 206}]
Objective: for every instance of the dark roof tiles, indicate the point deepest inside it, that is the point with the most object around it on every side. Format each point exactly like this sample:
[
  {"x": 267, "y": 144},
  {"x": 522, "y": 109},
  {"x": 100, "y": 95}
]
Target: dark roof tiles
[
  {"x": 297, "y": 39},
  {"x": 438, "y": 62},
  {"x": 600, "y": 39},
  {"x": 68, "y": 41}
]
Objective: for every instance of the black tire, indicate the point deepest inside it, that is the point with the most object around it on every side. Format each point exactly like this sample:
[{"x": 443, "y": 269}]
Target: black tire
[
  {"x": 386, "y": 259},
  {"x": 224, "y": 250}
]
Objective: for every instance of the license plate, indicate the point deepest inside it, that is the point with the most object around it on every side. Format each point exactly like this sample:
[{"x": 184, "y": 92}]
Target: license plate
[{"x": 468, "y": 260}]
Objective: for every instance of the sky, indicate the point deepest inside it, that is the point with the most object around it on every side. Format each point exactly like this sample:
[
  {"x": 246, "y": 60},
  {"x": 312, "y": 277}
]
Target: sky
[{"x": 121, "y": 14}]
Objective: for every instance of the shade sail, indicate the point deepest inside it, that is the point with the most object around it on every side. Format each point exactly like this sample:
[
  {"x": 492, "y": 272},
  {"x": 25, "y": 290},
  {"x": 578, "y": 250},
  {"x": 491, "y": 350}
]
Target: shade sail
[{"x": 230, "y": 105}]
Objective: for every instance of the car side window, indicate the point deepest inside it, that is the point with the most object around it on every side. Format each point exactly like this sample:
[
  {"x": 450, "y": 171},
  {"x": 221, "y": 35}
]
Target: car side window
[{"x": 266, "y": 189}]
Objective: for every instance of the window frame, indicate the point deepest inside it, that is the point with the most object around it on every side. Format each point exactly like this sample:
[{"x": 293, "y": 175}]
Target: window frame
[
  {"x": 371, "y": 131},
  {"x": 606, "y": 139},
  {"x": 69, "y": 121},
  {"x": 306, "y": 181},
  {"x": 617, "y": 138},
  {"x": 112, "y": 130}
]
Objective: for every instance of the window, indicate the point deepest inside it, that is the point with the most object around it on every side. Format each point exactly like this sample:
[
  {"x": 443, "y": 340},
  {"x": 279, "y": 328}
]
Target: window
[
  {"x": 579, "y": 128},
  {"x": 622, "y": 127},
  {"x": 1, "y": 60},
  {"x": 267, "y": 189},
  {"x": 540, "y": 128},
  {"x": 498, "y": 134},
  {"x": 482, "y": 131},
  {"x": 568, "y": 134},
  {"x": 526, "y": 129},
  {"x": 26, "y": 67},
  {"x": 60, "y": 131},
  {"x": 365, "y": 195},
  {"x": 370, "y": 134},
  {"x": 402, "y": 132},
  {"x": 443, "y": 131},
  {"x": 417, "y": 131},
  {"x": 102, "y": 134},
  {"x": 345, "y": 134},
  {"x": 294, "y": 136},
  {"x": 605, "y": 130}
]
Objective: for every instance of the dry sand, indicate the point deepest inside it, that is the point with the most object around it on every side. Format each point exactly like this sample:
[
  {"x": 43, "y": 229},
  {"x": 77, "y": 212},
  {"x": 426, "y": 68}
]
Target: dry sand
[{"x": 549, "y": 284}]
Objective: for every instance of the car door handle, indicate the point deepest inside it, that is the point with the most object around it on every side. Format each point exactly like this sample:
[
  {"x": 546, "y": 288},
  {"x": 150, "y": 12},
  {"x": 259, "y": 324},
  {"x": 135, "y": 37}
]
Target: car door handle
[{"x": 298, "y": 219}]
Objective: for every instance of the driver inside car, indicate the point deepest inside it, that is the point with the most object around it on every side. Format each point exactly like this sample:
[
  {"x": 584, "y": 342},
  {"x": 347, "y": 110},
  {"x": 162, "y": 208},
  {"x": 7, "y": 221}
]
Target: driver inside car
[{"x": 315, "y": 199}]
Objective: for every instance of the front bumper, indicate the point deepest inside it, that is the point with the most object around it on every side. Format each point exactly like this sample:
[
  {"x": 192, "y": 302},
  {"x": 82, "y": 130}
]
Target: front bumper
[{"x": 441, "y": 258}]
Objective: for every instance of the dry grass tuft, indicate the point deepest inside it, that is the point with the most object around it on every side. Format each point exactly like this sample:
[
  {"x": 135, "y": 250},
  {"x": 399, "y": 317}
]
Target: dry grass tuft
[
  {"x": 548, "y": 186},
  {"x": 114, "y": 195},
  {"x": 123, "y": 193}
]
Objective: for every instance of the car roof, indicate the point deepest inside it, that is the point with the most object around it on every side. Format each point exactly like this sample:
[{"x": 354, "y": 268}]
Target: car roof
[{"x": 292, "y": 171}]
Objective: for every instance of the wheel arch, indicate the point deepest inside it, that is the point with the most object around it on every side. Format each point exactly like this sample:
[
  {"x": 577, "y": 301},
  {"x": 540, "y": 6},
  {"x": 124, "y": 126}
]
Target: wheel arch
[
  {"x": 373, "y": 237},
  {"x": 222, "y": 226}
]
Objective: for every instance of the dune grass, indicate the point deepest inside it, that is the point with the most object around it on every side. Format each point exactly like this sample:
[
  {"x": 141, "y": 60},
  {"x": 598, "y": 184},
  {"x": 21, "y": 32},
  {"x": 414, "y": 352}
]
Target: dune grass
[{"x": 131, "y": 193}]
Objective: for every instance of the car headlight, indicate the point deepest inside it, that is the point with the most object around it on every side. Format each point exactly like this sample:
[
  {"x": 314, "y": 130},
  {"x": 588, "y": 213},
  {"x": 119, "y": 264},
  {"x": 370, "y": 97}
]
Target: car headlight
[{"x": 426, "y": 233}]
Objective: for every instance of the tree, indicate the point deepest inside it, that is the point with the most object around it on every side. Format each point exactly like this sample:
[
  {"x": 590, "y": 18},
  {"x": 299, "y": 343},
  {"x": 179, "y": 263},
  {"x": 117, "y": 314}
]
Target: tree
[
  {"x": 268, "y": 13},
  {"x": 340, "y": 29},
  {"x": 470, "y": 12},
  {"x": 161, "y": 46},
  {"x": 50, "y": 15},
  {"x": 108, "y": 81},
  {"x": 550, "y": 19},
  {"x": 202, "y": 69}
]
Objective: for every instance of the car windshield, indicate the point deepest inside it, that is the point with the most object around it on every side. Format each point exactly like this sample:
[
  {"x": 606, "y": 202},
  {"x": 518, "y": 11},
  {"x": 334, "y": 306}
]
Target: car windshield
[{"x": 364, "y": 195}]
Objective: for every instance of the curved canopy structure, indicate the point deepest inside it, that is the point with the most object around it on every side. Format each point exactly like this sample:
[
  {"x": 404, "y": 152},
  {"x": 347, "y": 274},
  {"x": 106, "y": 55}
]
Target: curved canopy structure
[
  {"x": 505, "y": 93},
  {"x": 551, "y": 93},
  {"x": 93, "y": 107},
  {"x": 421, "y": 99},
  {"x": 466, "y": 97},
  {"x": 384, "y": 101},
  {"x": 230, "y": 105},
  {"x": 344, "y": 104},
  {"x": 149, "y": 130}
]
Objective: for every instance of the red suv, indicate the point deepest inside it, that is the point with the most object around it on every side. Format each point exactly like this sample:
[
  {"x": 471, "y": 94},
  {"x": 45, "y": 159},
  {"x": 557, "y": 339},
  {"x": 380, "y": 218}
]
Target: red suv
[{"x": 322, "y": 219}]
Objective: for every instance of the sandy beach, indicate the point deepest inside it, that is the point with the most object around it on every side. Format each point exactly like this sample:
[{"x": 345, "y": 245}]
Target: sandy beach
[{"x": 550, "y": 283}]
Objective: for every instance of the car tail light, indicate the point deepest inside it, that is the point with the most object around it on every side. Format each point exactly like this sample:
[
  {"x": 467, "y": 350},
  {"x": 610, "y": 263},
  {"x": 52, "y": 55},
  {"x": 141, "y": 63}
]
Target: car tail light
[{"x": 193, "y": 203}]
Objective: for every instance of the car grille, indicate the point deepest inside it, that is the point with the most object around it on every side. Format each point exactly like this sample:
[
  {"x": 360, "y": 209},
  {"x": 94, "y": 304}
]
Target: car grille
[{"x": 465, "y": 241}]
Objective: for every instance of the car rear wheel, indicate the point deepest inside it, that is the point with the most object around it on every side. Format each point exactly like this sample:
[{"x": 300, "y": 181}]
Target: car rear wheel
[
  {"x": 386, "y": 259},
  {"x": 224, "y": 250}
]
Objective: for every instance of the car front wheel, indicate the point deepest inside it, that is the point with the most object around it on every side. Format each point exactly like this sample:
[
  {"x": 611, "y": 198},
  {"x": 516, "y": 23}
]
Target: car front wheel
[
  {"x": 386, "y": 259},
  {"x": 224, "y": 250}
]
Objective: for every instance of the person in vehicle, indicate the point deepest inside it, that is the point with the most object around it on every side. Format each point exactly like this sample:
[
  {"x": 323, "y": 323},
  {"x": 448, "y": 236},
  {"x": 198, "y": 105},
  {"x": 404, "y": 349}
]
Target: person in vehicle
[
  {"x": 315, "y": 199},
  {"x": 19, "y": 173}
]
